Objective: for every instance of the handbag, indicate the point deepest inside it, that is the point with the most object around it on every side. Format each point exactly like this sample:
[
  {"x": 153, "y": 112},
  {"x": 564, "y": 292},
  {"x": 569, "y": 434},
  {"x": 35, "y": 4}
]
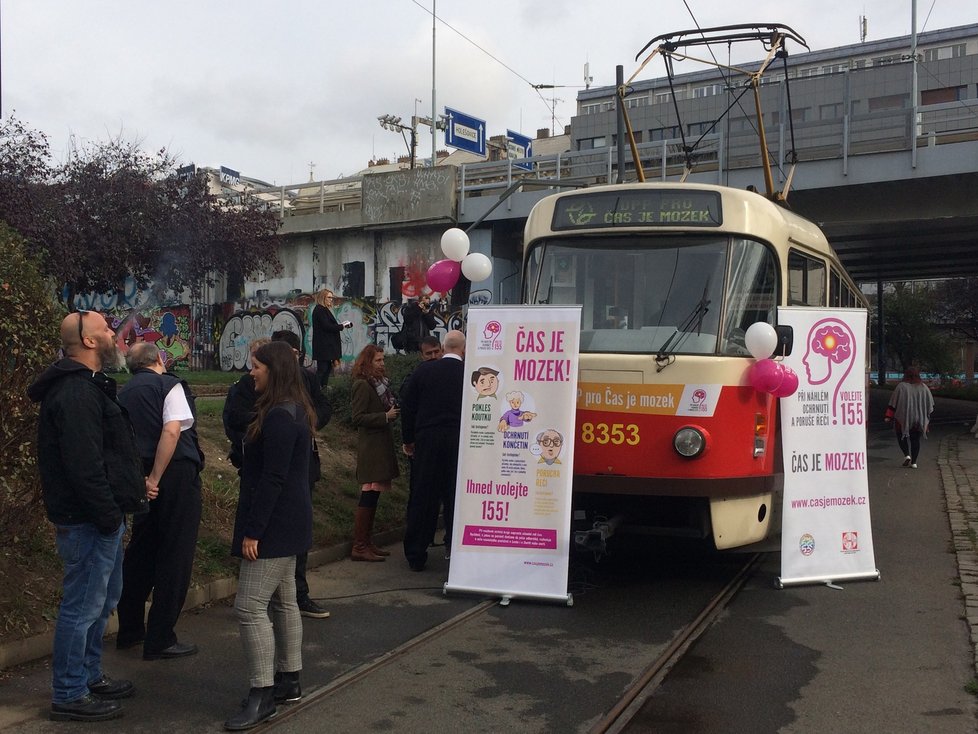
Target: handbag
[{"x": 398, "y": 340}]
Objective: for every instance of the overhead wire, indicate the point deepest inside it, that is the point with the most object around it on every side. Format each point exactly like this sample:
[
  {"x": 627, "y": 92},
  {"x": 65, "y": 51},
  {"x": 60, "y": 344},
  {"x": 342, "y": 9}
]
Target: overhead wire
[{"x": 499, "y": 61}]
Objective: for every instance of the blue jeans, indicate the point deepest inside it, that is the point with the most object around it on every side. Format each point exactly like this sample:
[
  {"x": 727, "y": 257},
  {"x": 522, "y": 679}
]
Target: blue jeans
[{"x": 91, "y": 589}]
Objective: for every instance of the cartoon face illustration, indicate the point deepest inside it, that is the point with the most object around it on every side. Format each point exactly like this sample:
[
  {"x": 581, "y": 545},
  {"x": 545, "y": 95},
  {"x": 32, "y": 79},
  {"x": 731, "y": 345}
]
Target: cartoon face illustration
[
  {"x": 550, "y": 442},
  {"x": 485, "y": 382},
  {"x": 515, "y": 399}
]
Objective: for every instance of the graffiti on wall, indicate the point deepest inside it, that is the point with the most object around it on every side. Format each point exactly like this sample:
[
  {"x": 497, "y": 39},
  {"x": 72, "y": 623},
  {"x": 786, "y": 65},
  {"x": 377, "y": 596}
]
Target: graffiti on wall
[
  {"x": 219, "y": 336},
  {"x": 168, "y": 328}
]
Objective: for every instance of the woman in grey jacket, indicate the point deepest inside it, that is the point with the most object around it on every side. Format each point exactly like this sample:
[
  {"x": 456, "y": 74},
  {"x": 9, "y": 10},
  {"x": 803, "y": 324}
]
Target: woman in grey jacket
[{"x": 910, "y": 407}]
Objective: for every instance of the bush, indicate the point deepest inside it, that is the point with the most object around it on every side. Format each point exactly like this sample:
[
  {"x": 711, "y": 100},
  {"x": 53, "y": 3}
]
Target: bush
[{"x": 30, "y": 332}]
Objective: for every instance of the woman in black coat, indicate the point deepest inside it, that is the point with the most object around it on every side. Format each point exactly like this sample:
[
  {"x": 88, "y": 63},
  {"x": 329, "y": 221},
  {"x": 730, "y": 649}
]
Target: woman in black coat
[
  {"x": 272, "y": 525},
  {"x": 326, "y": 349}
]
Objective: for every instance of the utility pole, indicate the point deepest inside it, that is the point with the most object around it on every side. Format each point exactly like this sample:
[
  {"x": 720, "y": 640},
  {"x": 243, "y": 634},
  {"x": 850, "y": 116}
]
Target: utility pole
[{"x": 434, "y": 147}]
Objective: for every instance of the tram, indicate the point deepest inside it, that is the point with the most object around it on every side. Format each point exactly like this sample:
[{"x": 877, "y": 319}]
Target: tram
[{"x": 670, "y": 436}]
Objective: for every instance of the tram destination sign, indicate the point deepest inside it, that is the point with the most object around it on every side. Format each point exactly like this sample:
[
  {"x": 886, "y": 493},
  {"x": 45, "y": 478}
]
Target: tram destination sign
[{"x": 655, "y": 208}]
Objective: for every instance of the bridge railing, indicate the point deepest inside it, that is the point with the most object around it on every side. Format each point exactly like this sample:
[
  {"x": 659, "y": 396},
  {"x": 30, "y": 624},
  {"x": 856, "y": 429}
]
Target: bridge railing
[{"x": 730, "y": 147}]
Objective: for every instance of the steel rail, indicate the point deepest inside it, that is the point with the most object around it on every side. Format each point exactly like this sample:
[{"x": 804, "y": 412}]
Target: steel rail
[
  {"x": 636, "y": 695},
  {"x": 288, "y": 711}
]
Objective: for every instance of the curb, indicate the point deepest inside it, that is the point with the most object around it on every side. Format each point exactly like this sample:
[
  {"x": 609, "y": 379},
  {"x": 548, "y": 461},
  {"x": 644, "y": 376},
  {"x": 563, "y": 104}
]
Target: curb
[
  {"x": 961, "y": 495},
  {"x": 18, "y": 652}
]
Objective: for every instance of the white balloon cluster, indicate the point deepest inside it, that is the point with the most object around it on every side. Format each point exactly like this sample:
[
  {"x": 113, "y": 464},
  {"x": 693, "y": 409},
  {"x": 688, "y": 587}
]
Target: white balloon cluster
[{"x": 443, "y": 274}]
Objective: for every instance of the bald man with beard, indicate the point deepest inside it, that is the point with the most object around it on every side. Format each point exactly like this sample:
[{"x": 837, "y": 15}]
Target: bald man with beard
[
  {"x": 431, "y": 410},
  {"x": 91, "y": 475}
]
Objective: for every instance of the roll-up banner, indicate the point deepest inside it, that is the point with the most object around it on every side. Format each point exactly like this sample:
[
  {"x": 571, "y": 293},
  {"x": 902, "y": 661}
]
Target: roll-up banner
[
  {"x": 512, "y": 524},
  {"x": 826, "y": 534}
]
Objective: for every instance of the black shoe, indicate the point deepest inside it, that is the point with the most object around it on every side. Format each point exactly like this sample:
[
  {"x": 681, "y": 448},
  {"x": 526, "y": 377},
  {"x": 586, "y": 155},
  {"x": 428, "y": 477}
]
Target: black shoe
[
  {"x": 286, "y": 688},
  {"x": 176, "y": 650},
  {"x": 259, "y": 706},
  {"x": 86, "y": 708},
  {"x": 417, "y": 566},
  {"x": 309, "y": 608},
  {"x": 105, "y": 688}
]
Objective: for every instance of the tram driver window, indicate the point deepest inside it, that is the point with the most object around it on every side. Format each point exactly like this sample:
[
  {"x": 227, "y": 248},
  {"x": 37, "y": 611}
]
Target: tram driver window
[{"x": 751, "y": 293}]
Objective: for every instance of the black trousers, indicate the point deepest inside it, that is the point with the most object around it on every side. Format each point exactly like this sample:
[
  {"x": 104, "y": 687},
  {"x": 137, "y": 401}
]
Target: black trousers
[
  {"x": 324, "y": 368},
  {"x": 909, "y": 448},
  {"x": 432, "y": 482},
  {"x": 160, "y": 559}
]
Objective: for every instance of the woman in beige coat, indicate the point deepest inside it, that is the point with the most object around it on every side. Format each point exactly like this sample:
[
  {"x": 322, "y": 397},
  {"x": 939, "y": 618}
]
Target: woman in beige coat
[{"x": 373, "y": 407}]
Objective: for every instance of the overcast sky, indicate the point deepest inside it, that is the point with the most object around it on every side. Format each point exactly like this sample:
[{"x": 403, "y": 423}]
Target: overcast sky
[{"x": 267, "y": 88}]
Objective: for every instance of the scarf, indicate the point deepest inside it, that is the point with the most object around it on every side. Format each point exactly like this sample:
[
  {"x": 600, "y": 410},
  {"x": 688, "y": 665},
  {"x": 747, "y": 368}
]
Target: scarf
[{"x": 384, "y": 392}]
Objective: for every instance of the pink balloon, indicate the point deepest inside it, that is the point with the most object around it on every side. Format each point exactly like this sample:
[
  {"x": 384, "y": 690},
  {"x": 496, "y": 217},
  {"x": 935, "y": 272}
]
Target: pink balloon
[
  {"x": 766, "y": 375},
  {"x": 443, "y": 275},
  {"x": 788, "y": 385}
]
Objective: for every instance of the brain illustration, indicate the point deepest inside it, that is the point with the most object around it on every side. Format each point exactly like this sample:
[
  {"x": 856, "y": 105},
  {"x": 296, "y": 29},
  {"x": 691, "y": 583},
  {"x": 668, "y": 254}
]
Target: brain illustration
[{"x": 833, "y": 343}]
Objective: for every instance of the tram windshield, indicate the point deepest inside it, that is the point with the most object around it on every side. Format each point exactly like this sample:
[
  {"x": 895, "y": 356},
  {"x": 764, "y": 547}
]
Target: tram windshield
[{"x": 684, "y": 295}]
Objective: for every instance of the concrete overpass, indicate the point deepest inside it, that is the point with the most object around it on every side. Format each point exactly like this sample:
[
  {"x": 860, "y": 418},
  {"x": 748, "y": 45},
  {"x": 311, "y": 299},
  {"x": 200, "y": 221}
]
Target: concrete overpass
[{"x": 906, "y": 210}]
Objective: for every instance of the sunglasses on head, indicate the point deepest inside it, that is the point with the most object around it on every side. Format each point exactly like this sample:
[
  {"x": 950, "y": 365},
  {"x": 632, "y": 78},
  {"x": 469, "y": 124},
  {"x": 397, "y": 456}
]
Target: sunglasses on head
[{"x": 81, "y": 319}]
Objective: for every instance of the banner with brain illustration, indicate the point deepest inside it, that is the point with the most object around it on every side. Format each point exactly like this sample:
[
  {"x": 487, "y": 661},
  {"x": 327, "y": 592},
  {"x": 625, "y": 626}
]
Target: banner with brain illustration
[
  {"x": 516, "y": 455},
  {"x": 826, "y": 533}
]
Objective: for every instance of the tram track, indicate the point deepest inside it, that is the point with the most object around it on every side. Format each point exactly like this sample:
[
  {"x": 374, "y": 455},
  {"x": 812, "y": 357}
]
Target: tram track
[
  {"x": 288, "y": 712},
  {"x": 614, "y": 720},
  {"x": 628, "y": 705}
]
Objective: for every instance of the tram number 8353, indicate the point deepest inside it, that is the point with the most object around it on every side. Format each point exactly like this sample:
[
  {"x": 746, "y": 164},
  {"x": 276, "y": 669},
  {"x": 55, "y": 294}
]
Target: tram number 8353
[{"x": 616, "y": 433}]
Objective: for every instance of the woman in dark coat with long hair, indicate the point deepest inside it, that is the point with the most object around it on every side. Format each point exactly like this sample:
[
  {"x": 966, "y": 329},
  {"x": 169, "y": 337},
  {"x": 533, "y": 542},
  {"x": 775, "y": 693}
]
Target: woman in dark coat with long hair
[
  {"x": 272, "y": 525},
  {"x": 373, "y": 407}
]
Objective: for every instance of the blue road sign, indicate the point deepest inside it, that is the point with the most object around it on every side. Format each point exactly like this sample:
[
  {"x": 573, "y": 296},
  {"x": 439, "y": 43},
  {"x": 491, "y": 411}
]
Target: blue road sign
[
  {"x": 465, "y": 132},
  {"x": 519, "y": 146}
]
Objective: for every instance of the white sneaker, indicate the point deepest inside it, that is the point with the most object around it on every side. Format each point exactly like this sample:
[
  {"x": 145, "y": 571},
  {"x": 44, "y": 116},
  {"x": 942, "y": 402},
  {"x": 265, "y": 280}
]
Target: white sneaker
[
  {"x": 913, "y": 466},
  {"x": 907, "y": 462}
]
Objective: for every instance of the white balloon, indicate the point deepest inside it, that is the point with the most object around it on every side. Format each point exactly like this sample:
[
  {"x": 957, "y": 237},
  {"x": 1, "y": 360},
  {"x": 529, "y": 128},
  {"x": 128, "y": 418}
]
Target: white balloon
[
  {"x": 455, "y": 244},
  {"x": 476, "y": 267},
  {"x": 761, "y": 340}
]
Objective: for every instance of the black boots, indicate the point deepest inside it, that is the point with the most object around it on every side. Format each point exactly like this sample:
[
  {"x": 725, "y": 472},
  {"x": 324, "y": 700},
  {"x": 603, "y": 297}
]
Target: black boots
[
  {"x": 259, "y": 706},
  {"x": 287, "y": 688}
]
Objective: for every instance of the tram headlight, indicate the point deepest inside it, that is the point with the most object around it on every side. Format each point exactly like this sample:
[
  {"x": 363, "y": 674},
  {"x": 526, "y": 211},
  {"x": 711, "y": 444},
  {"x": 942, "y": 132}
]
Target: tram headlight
[{"x": 689, "y": 442}]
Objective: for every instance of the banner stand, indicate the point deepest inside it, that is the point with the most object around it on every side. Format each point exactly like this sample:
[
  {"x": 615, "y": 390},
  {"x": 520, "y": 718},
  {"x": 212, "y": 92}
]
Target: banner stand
[
  {"x": 511, "y": 533},
  {"x": 781, "y": 583},
  {"x": 505, "y": 599},
  {"x": 826, "y": 528}
]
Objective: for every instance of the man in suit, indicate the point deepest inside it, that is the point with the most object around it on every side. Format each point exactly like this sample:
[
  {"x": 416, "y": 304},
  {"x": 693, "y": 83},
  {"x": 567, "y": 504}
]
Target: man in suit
[
  {"x": 326, "y": 349},
  {"x": 431, "y": 410}
]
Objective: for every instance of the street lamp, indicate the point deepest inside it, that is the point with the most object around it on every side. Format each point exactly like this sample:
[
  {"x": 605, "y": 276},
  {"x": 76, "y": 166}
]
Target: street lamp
[{"x": 394, "y": 124}]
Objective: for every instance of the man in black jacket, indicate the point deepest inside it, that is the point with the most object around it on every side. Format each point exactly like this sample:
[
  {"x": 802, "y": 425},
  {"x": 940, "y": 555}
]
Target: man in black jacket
[
  {"x": 418, "y": 322},
  {"x": 431, "y": 410},
  {"x": 239, "y": 411},
  {"x": 160, "y": 555},
  {"x": 90, "y": 477}
]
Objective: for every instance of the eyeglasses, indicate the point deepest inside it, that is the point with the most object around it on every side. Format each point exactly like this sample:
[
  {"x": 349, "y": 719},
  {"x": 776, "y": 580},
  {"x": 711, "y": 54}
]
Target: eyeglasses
[
  {"x": 551, "y": 442},
  {"x": 81, "y": 318}
]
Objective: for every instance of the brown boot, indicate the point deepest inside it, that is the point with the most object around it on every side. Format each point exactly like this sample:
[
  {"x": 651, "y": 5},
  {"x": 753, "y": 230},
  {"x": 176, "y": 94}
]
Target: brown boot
[
  {"x": 362, "y": 524},
  {"x": 372, "y": 512}
]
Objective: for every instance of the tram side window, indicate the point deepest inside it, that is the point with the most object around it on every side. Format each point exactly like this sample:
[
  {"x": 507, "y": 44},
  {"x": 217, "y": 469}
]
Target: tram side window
[
  {"x": 835, "y": 289},
  {"x": 806, "y": 280},
  {"x": 751, "y": 294}
]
